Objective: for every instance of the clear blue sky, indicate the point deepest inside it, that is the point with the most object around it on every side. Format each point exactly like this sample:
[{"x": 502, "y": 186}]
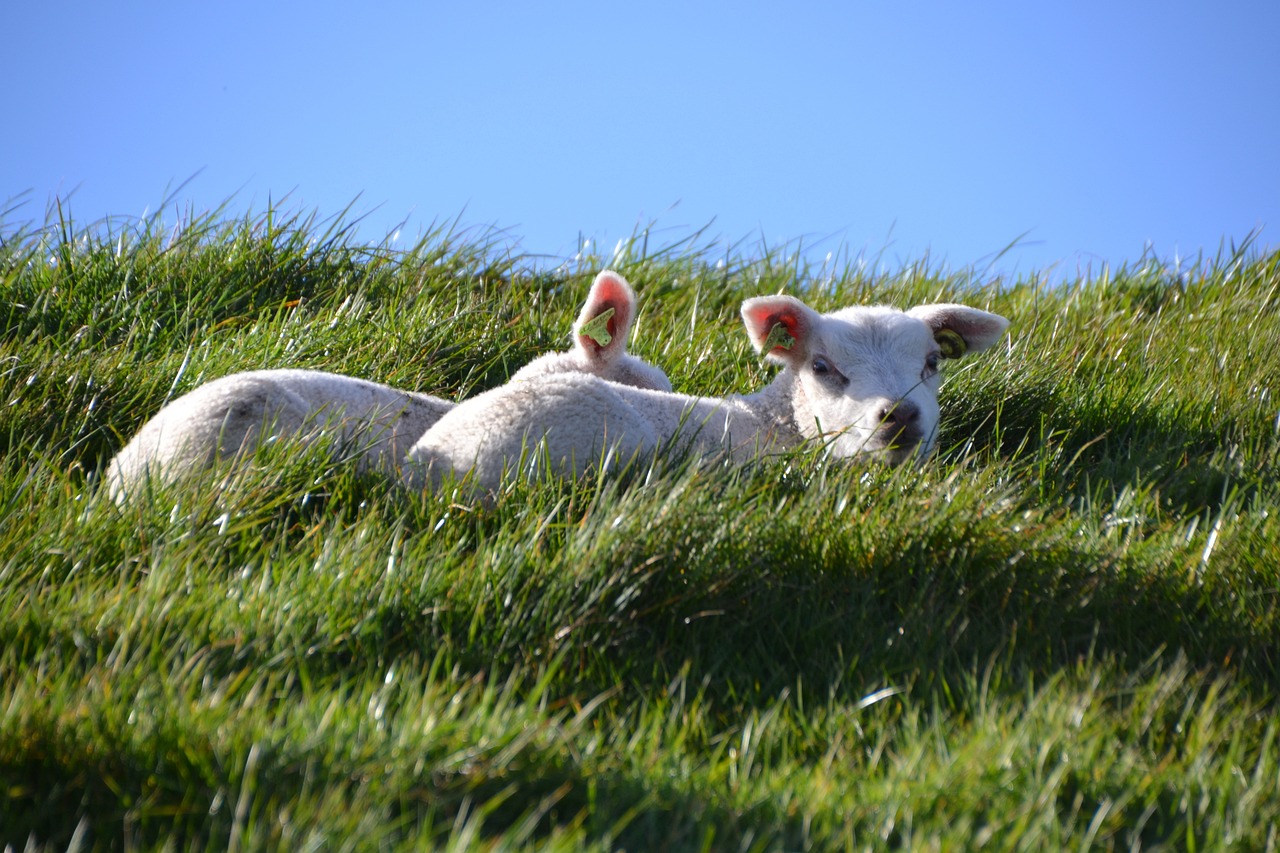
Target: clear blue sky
[{"x": 886, "y": 129}]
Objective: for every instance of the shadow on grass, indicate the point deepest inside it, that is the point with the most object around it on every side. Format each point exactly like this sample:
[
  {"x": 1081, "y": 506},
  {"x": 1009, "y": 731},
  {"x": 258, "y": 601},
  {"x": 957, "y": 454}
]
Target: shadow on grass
[
  {"x": 1102, "y": 445},
  {"x": 902, "y": 623}
]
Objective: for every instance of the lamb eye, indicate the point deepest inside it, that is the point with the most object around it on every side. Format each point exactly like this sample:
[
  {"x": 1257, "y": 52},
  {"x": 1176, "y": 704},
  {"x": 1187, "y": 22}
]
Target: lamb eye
[
  {"x": 930, "y": 364},
  {"x": 820, "y": 366}
]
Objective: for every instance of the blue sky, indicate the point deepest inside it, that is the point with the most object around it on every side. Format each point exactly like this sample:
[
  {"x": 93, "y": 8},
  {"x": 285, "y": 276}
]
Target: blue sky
[{"x": 885, "y": 130}]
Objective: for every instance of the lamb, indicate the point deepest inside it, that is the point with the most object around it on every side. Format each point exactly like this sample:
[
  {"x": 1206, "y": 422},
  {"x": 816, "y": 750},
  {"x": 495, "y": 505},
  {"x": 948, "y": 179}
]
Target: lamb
[
  {"x": 862, "y": 380},
  {"x": 229, "y": 416}
]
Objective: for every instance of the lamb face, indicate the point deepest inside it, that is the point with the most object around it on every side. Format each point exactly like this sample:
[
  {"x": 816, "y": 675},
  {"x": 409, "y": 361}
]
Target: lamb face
[
  {"x": 872, "y": 384},
  {"x": 866, "y": 378}
]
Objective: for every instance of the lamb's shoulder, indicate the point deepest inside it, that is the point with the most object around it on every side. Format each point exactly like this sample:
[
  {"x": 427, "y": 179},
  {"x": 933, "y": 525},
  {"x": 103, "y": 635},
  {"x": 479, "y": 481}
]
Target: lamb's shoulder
[
  {"x": 573, "y": 419},
  {"x": 534, "y": 405},
  {"x": 705, "y": 424}
]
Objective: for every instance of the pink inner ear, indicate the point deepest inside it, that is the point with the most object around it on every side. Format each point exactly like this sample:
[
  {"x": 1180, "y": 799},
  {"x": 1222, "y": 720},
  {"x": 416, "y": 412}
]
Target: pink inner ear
[
  {"x": 764, "y": 317},
  {"x": 608, "y": 291},
  {"x": 790, "y": 322}
]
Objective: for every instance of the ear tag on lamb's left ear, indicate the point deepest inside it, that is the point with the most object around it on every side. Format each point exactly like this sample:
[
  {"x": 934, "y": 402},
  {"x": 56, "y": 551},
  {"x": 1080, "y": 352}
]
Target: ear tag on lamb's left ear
[
  {"x": 950, "y": 342},
  {"x": 597, "y": 328},
  {"x": 778, "y": 337}
]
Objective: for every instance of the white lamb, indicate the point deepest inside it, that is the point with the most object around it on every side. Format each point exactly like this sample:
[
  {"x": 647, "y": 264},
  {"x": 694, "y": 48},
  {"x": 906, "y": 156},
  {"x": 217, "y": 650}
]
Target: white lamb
[
  {"x": 862, "y": 380},
  {"x": 229, "y": 416}
]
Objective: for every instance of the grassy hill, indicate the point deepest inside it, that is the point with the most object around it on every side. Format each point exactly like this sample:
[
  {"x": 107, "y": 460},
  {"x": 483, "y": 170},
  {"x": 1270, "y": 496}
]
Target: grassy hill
[{"x": 1062, "y": 631}]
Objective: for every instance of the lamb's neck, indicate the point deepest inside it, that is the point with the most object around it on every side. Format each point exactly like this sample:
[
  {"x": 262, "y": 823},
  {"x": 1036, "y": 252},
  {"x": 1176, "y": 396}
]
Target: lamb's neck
[{"x": 774, "y": 408}]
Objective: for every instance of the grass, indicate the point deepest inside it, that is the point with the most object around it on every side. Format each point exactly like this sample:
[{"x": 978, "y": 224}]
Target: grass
[{"x": 1063, "y": 631}]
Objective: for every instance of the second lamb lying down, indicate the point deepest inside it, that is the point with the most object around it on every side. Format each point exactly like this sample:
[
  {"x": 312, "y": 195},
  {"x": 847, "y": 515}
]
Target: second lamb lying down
[
  {"x": 229, "y": 416},
  {"x": 862, "y": 380}
]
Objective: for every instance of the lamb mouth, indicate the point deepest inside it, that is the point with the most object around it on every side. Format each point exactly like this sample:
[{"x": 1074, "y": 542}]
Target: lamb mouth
[{"x": 895, "y": 446}]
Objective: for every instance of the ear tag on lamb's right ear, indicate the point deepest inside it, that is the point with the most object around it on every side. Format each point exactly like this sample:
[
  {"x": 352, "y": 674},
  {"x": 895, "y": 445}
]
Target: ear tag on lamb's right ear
[
  {"x": 597, "y": 328},
  {"x": 950, "y": 342},
  {"x": 778, "y": 337}
]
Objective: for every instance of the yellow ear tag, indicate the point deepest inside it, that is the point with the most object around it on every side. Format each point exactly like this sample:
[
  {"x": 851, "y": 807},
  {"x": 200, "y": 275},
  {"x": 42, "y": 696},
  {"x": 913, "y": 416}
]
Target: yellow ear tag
[
  {"x": 778, "y": 337},
  {"x": 597, "y": 328},
  {"x": 950, "y": 342}
]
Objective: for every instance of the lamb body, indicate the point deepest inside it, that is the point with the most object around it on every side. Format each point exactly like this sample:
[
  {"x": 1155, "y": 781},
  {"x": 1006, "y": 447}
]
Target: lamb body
[
  {"x": 863, "y": 380},
  {"x": 229, "y": 416}
]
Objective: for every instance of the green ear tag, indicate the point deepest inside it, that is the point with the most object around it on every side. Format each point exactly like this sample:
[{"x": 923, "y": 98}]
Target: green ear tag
[
  {"x": 778, "y": 337},
  {"x": 952, "y": 345},
  {"x": 597, "y": 328}
]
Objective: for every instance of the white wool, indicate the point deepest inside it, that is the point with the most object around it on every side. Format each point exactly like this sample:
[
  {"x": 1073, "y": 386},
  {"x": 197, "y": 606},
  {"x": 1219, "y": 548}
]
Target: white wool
[{"x": 228, "y": 417}]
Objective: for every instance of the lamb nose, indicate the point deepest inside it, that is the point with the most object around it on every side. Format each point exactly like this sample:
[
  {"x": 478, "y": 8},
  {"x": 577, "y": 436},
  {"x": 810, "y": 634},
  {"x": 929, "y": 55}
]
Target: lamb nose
[{"x": 901, "y": 413}]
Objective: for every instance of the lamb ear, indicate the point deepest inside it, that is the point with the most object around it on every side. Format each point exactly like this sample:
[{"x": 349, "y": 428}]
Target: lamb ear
[
  {"x": 780, "y": 327},
  {"x": 602, "y": 327},
  {"x": 959, "y": 329}
]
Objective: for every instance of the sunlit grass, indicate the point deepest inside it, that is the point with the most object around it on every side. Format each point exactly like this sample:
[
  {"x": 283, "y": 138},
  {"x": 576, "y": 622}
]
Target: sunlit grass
[{"x": 1061, "y": 631}]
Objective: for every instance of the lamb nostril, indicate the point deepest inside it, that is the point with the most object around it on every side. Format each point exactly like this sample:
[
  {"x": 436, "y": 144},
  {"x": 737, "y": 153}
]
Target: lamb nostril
[{"x": 901, "y": 413}]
